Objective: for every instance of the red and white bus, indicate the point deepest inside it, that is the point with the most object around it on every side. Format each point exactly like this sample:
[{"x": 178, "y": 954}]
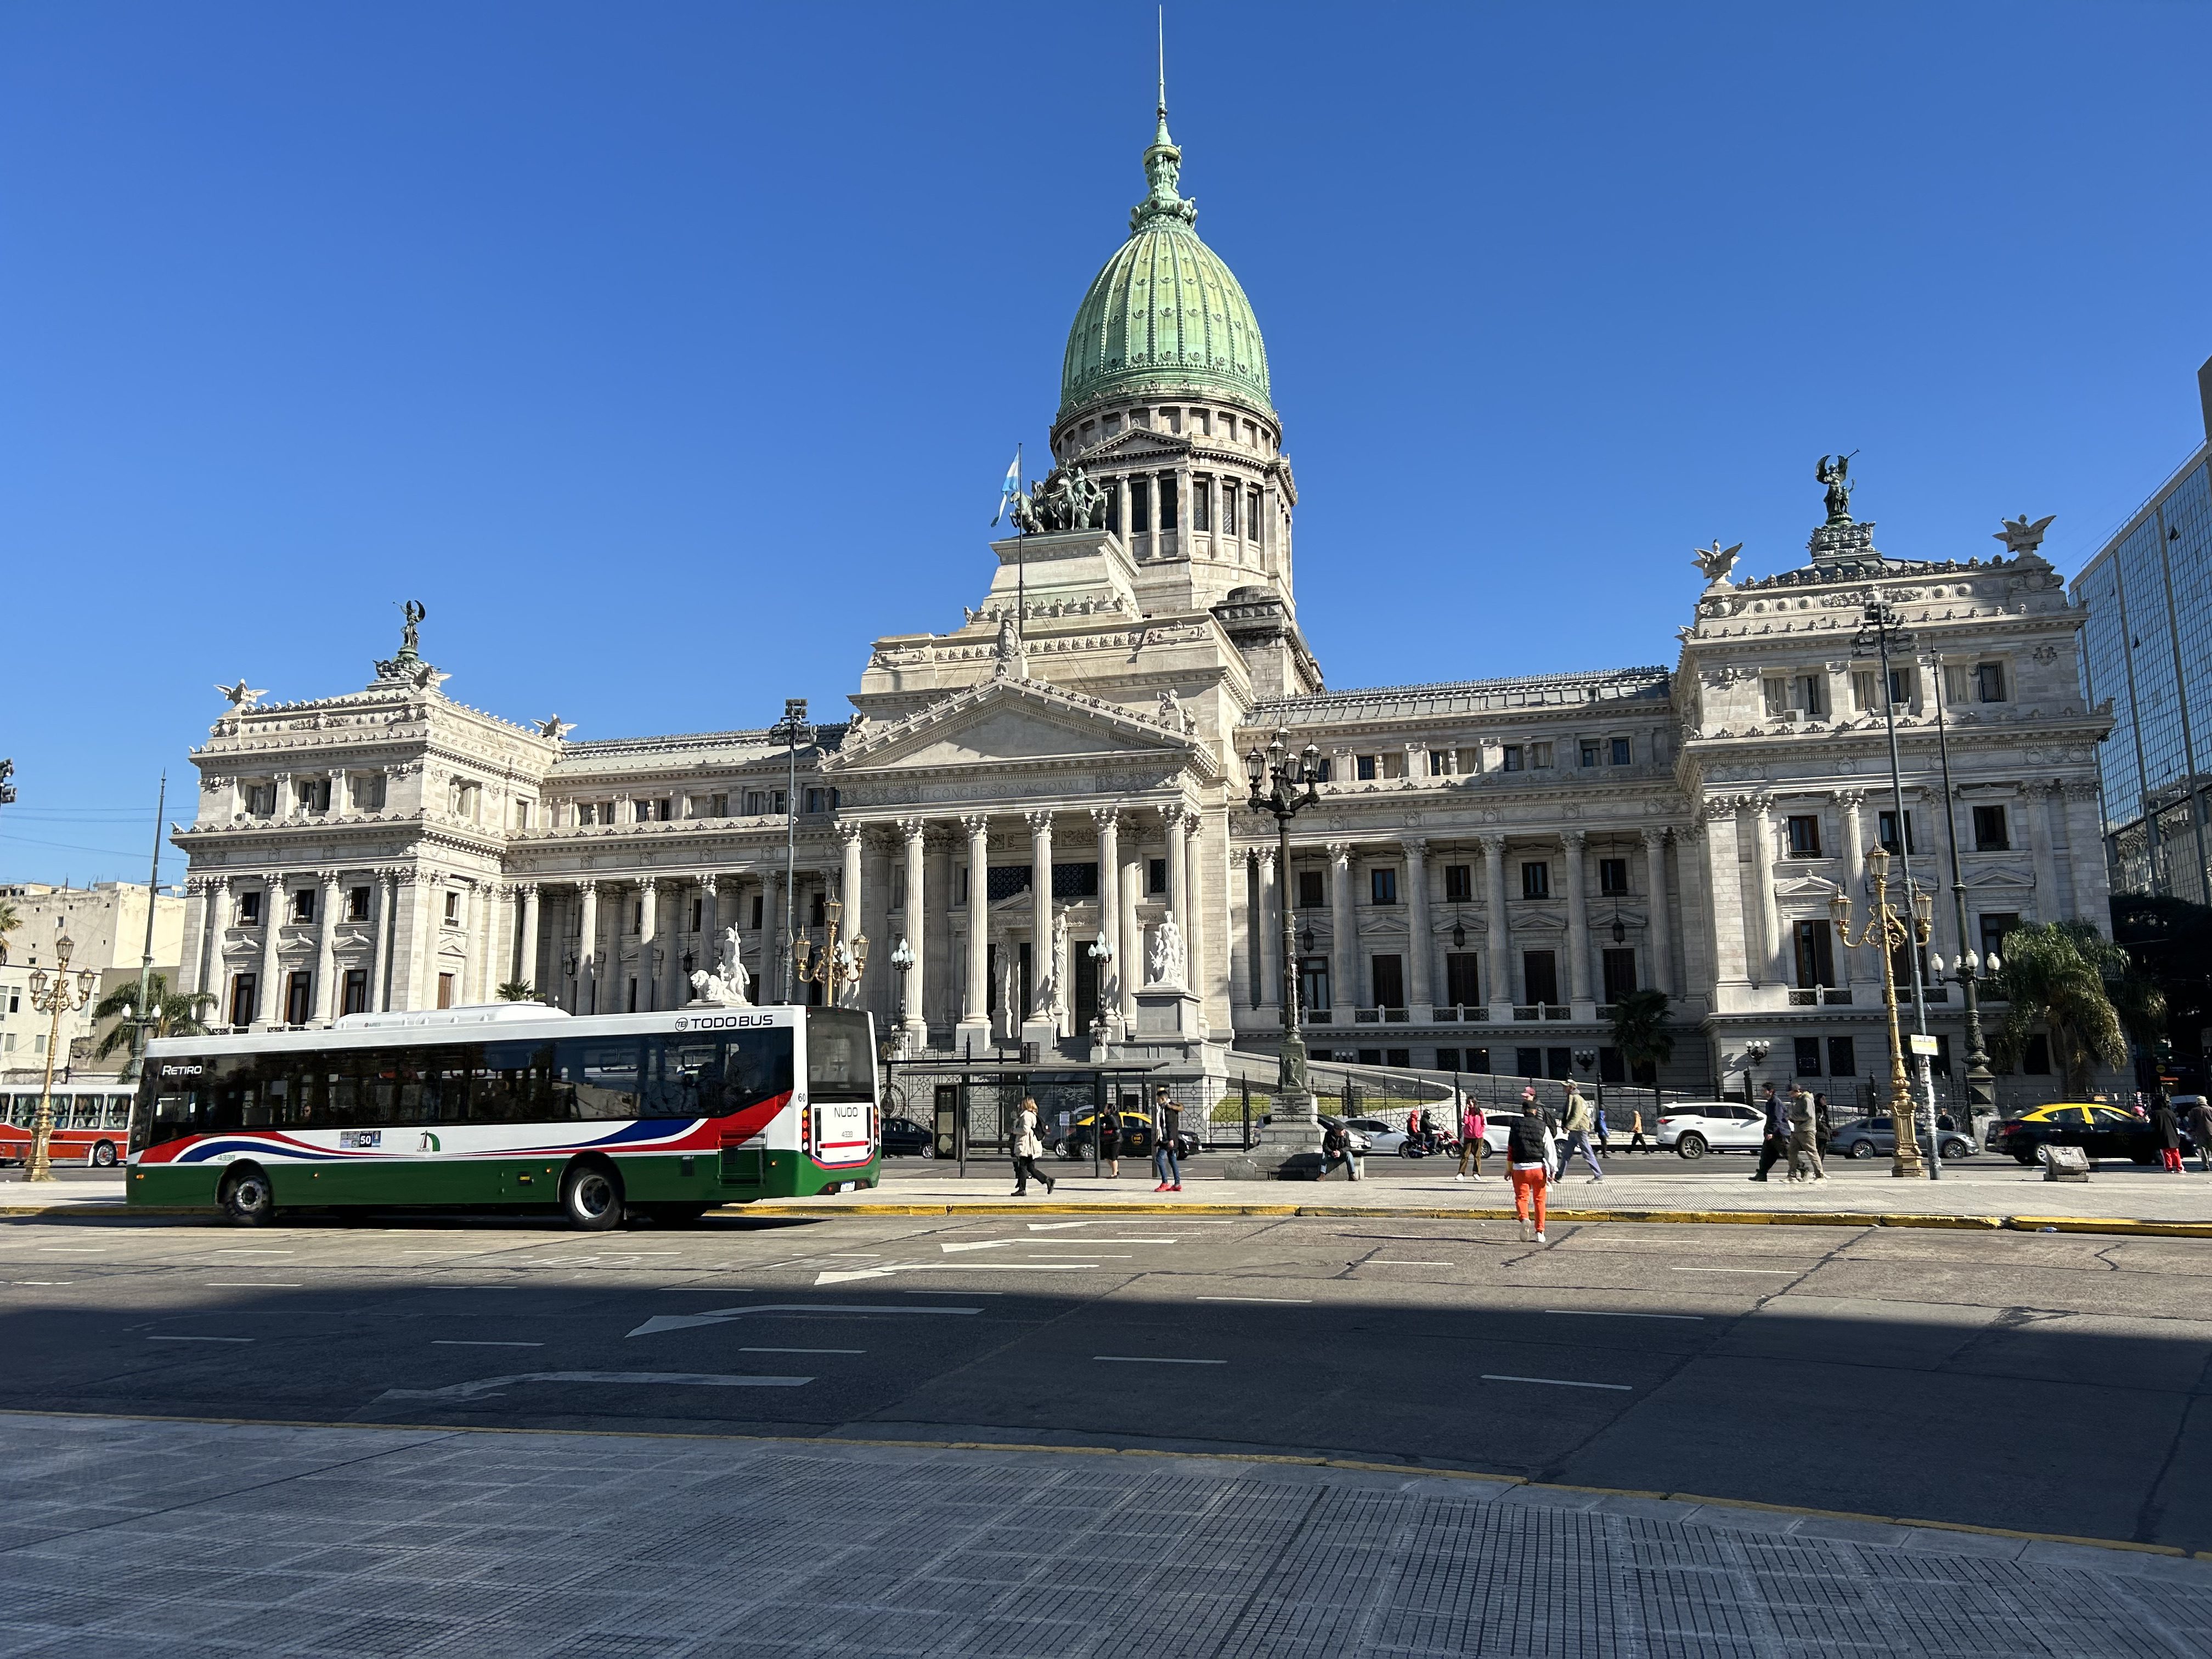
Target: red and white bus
[{"x": 92, "y": 1123}]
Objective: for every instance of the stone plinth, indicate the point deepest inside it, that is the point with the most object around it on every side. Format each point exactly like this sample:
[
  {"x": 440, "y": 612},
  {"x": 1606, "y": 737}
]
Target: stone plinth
[{"x": 1289, "y": 1145}]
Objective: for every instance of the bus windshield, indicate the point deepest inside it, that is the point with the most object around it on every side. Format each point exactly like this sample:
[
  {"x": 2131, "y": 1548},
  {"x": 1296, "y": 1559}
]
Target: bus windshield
[{"x": 840, "y": 1056}]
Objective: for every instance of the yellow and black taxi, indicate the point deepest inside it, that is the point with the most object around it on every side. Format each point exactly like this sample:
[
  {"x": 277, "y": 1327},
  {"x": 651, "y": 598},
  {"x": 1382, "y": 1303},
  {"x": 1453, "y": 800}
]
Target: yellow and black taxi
[{"x": 2099, "y": 1128}]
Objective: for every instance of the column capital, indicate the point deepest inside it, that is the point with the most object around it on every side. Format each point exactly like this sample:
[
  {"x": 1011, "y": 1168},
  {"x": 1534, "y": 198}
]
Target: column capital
[
  {"x": 1655, "y": 836},
  {"x": 1264, "y": 857},
  {"x": 849, "y": 830},
  {"x": 588, "y": 885},
  {"x": 328, "y": 877},
  {"x": 1761, "y": 803},
  {"x": 1105, "y": 818},
  {"x": 913, "y": 829},
  {"x": 709, "y": 883},
  {"x": 975, "y": 823},
  {"x": 1175, "y": 813},
  {"x": 1340, "y": 852},
  {"x": 1039, "y": 821},
  {"x": 1721, "y": 806},
  {"x": 1414, "y": 847},
  {"x": 1849, "y": 800},
  {"x": 1492, "y": 842},
  {"x": 529, "y": 888},
  {"x": 645, "y": 885},
  {"x": 1572, "y": 840},
  {"x": 2079, "y": 788}
]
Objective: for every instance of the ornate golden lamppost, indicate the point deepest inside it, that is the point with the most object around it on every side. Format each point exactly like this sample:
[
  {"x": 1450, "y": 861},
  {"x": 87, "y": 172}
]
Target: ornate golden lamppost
[
  {"x": 836, "y": 967},
  {"x": 1892, "y": 930},
  {"x": 58, "y": 998}
]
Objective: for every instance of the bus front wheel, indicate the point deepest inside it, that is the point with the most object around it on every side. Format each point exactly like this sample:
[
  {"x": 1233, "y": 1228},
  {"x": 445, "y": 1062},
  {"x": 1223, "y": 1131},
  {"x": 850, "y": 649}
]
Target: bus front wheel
[
  {"x": 103, "y": 1155},
  {"x": 245, "y": 1197},
  {"x": 591, "y": 1196}
]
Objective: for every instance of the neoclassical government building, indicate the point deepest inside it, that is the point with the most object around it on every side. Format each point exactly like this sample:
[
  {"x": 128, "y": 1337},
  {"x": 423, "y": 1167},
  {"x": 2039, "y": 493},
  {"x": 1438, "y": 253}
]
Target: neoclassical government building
[{"x": 1494, "y": 861}]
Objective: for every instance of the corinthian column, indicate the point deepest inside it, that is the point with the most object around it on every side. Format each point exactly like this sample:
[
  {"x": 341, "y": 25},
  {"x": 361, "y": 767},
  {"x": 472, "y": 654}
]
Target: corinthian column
[
  {"x": 587, "y": 949},
  {"x": 649, "y": 930},
  {"x": 1344, "y": 930},
  {"x": 1852, "y": 802},
  {"x": 527, "y": 970},
  {"x": 271, "y": 1007},
  {"x": 1108, "y": 822},
  {"x": 976, "y": 998},
  {"x": 1578, "y": 945},
  {"x": 1497, "y": 964},
  {"x": 1420, "y": 942},
  {"x": 1654, "y": 879},
  {"x": 1267, "y": 987},
  {"x": 1732, "y": 953},
  {"x": 1044, "y": 978},
  {"x": 326, "y": 945},
  {"x": 914, "y": 834},
  {"x": 1762, "y": 876}
]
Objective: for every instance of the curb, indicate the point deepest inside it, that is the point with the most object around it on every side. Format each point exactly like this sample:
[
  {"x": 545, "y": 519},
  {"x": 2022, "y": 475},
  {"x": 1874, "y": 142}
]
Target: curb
[
  {"x": 1280, "y": 1459},
  {"x": 2019, "y": 1224}
]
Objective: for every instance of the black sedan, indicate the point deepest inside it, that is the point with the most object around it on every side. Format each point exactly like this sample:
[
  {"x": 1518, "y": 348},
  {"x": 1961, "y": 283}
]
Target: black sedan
[
  {"x": 904, "y": 1137},
  {"x": 2098, "y": 1129},
  {"x": 1869, "y": 1137}
]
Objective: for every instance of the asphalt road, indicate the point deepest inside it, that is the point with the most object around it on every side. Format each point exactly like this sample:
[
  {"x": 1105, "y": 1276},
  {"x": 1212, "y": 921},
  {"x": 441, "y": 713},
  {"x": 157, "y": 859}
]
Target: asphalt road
[{"x": 2056, "y": 1384}]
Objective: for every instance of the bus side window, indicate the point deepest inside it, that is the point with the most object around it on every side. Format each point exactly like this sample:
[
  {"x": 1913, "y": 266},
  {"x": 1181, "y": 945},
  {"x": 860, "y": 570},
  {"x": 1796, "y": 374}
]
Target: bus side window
[
  {"x": 603, "y": 1073},
  {"x": 118, "y": 1111}
]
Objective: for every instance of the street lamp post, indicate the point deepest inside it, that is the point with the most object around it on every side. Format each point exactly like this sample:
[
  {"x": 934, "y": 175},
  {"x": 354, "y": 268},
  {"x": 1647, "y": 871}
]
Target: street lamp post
[
  {"x": 901, "y": 960},
  {"x": 794, "y": 731},
  {"x": 1754, "y": 1055},
  {"x": 1101, "y": 952},
  {"x": 1890, "y": 930},
  {"x": 1284, "y": 783},
  {"x": 1880, "y": 631},
  {"x": 1981, "y": 1087},
  {"x": 61, "y": 997}
]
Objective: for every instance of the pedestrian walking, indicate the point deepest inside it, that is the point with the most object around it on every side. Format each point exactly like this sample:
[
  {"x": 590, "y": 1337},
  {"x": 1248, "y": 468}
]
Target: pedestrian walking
[
  {"x": 1598, "y": 1127},
  {"x": 2200, "y": 1131},
  {"x": 1578, "y": 1126},
  {"x": 2164, "y": 1126},
  {"x": 1822, "y": 1122},
  {"x": 1776, "y": 1143},
  {"x": 1805, "y": 1162},
  {"x": 1027, "y": 1147},
  {"x": 1473, "y": 1127},
  {"x": 1165, "y": 1164},
  {"x": 1636, "y": 1130},
  {"x": 1528, "y": 1164},
  {"x": 1109, "y": 1125}
]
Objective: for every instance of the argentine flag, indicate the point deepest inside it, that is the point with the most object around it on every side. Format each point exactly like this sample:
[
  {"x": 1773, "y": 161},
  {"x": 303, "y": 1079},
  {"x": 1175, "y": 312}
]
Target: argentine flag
[{"x": 1011, "y": 487}]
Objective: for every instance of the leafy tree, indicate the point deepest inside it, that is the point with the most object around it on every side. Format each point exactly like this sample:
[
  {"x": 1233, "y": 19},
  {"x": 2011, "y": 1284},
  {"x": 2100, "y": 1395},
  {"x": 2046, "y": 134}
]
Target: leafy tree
[
  {"x": 10, "y": 921},
  {"x": 175, "y": 1013},
  {"x": 1639, "y": 1029},
  {"x": 518, "y": 990},
  {"x": 2055, "y": 975}
]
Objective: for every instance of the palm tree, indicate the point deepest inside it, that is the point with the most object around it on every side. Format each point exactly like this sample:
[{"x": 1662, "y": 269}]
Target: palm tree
[
  {"x": 2056, "y": 977},
  {"x": 1639, "y": 1029},
  {"x": 518, "y": 990},
  {"x": 10, "y": 921},
  {"x": 175, "y": 1013}
]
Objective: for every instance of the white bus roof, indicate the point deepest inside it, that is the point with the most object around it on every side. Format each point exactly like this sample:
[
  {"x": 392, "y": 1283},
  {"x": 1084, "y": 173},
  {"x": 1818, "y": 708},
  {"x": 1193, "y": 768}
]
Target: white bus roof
[{"x": 512, "y": 1023}]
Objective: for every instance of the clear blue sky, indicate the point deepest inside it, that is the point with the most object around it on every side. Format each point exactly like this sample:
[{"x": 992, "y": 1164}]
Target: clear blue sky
[{"x": 672, "y": 353}]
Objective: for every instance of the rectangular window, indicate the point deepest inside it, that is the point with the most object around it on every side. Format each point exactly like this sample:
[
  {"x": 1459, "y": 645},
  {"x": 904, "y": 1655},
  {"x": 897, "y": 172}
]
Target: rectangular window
[
  {"x": 1388, "y": 974},
  {"x": 244, "y": 999},
  {"x": 1619, "y": 962},
  {"x": 1536, "y": 880},
  {"x": 1382, "y": 885},
  {"x": 446, "y": 990},
  {"x": 314, "y": 795},
  {"x": 1228, "y": 510},
  {"x": 1885, "y": 832},
  {"x": 1558, "y": 1064},
  {"x": 1958, "y": 683},
  {"x": 1313, "y": 983},
  {"x": 1994, "y": 926},
  {"x": 1904, "y": 686},
  {"x": 1620, "y": 751},
  {"x": 1363, "y": 766},
  {"x": 1168, "y": 501},
  {"x": 1509, "y": 758},
  {"x": 760, "y": 904},
  {"x": 249, "y": 909},
  {"x": 698, "y": 914},
  {"x": 1809, "y": 1057},
  {"x": 356, "y": 1000},
  {"x": 356, "y": 904},
  {"x": 587, "y": 813},
  {"x": 1775, "y": 688},
  {"x": 1540, "y": 755},
  {"x": 1612, "y": 877},
  {"x": 1989, "y": 681},
  {"x": 718, "y": 806},
  {"x": 453, "y": 914},
  {"x": 1463, "y": 982},
  {"x": 1592, "y": 748},
  {"x": 367, "y": 789},
  {"x": 1816, "y": 960},
  {"x": 303, "y": 904},
  {"x": 1810, "y": 693},
  {"x": 1313, "y": 890},
  {"x": 1864, "y": 693},
  {"x": 1990, "y": 832},
  {"x": 1201, "y": 500},
  {"x": 299, "y": 998},
  {"x": 1540, "y": 976},
  {"x": 522, "y": 810},
  {"x": 1804, "y": 835},
  {"x": 1459, "y": 884},
  {"x": 261, "y": 800},
  {"x": 818, "y": 912},
  {"x": 1611, "y": 1068},
  {"x": 1528, "y": 1062},
  {"x": 1401, "y": 1057},
  {"x": 1156, "y": 876},
  {"x": 1447, "y": 1060},
  {"x": 1840, "y": 1061},
  {"x": 1326, "y": 771},
  {"x": 1140, "y": 506},
  {"x": 2035, "y": 1055}
]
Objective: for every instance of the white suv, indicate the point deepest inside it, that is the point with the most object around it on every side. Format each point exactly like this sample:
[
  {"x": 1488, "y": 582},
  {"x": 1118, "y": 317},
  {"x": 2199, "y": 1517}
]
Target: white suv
[{"x": 1694, "y": 1127}]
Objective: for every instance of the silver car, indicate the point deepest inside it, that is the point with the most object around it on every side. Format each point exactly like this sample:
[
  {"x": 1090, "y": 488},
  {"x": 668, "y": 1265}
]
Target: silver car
[{"x": 1694, "y": 1127}]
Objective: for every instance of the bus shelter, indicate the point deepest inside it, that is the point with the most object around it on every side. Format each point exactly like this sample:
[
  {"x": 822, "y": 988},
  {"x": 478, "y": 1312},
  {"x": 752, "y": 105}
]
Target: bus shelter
[{"x": 971, "y": 1105}]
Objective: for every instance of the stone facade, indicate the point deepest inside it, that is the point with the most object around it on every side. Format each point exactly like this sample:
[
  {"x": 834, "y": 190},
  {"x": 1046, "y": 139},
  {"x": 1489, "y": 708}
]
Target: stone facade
[{"x": 1036, "y": 799}]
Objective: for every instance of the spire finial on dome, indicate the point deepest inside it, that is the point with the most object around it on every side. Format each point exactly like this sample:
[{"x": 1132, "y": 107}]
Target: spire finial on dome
[{"x": 1162, "y": 161}]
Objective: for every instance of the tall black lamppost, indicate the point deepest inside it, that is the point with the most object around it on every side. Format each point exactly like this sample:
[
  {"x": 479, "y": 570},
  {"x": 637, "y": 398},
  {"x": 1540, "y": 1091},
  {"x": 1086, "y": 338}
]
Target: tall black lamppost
[
  {"x": 1754, "y": 1055},
  {"x": 1101, "y": 950},
  {"x": 1882, "y": 631},
  {"x": 1285, "y": 783},
  {"x": 794, "y": 730},
  {"x": 1981, "y": 1087}
]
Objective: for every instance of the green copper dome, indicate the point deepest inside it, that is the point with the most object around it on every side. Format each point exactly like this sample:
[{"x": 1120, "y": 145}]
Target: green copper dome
[{"x": 1164, "y": 315}]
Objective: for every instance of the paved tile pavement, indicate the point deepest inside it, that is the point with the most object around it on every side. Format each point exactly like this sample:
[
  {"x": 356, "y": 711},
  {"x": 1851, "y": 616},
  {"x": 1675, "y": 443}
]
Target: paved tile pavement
[{"x": 121, "y": 1538}]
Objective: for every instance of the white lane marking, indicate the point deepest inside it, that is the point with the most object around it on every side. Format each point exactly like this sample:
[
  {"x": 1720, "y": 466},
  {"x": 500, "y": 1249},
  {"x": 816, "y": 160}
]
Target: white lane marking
[
  {"x": 802, "y": 1351},
  {"x": 1105, "y": 1221},
  {"x": 480, "y": 1342},
  {"x": 45, "y": 1281},
  {"x": 1776, "y": 1272},
  {"x": 492, "y": 1385},
  {"x": 1293, "y": 1301},
  {"x": 1039, "y": 1243},
  {"x": 199, "y": 1339},
  {"x": 1557, "y": 1383},
  {"x": 252, "y": 1285},
  {"x": 718, "y": 1315},
  {"x": 951, "y": 1292},
  {"x": 848, "y": 1276},
  {"x": 1610, "y": 1313},
  {"x": 1392, "y": 1261},
  {"x": 240, "y": 1249},
  {"x": 73, "y": 1249},
  {"x": 1152, "y": 1359}
]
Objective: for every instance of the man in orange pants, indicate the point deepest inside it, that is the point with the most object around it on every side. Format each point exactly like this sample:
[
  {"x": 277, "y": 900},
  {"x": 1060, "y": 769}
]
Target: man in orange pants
[{"x": 1528, "y": 1163}]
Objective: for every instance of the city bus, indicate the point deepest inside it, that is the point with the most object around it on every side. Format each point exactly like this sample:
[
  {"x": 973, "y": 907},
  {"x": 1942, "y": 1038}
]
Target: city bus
[
  {"x": 92, "y": 1123},
  {"x": 512, "y": 1106}
]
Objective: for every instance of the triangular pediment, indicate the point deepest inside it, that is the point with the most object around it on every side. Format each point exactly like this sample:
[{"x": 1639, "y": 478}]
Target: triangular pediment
[
  {"x": 2000, "y": 877},
  {"x": 1010, "y": 721},
  {"x": 1134, "y": 441}
]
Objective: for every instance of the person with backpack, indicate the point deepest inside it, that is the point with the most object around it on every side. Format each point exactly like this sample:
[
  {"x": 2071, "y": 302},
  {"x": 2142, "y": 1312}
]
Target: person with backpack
[
  {"x": 1027, "y": 1149},
  {"x": 1804, "y": 1138},
  {"x": 1578, "y": 1126},
  {"x": 1775, "y": 1146},
  {"x": 1529, "y": 1166}
]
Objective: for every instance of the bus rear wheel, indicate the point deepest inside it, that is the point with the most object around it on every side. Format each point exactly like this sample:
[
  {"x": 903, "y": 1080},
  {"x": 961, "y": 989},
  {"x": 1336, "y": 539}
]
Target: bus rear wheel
[
  {"x": 103, "y": 1155},
  {"x": 245, "y": 1197},
  {"x": 591, "y": 1197}
]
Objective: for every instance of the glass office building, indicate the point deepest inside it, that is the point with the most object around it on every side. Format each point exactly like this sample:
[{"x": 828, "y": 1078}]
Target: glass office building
[{"x": 2148, "y": 647}]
